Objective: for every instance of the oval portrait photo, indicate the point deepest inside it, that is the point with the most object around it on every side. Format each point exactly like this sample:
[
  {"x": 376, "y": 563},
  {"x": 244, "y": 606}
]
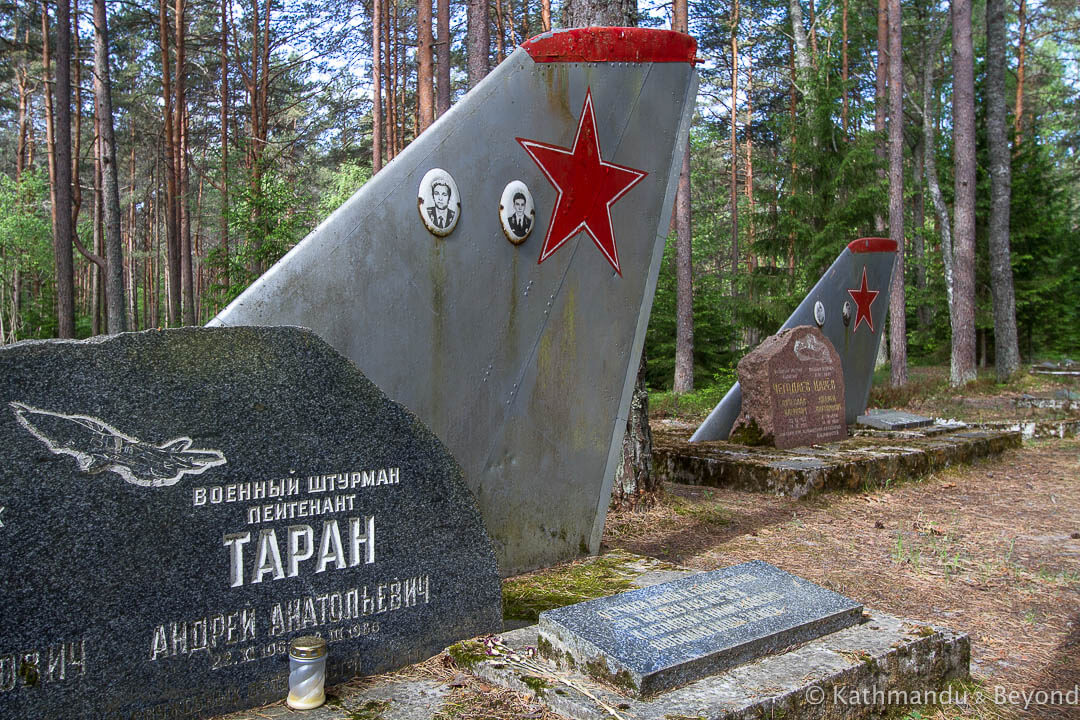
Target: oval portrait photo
[
  {"x": 516, "y": 212},
  {"x": 438, "y": 201}
]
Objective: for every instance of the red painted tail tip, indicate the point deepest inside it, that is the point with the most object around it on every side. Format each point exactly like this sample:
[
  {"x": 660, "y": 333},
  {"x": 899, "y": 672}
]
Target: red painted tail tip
[
  {"x": 872, "y": 244},
  {"x": 612, "y": 44}
]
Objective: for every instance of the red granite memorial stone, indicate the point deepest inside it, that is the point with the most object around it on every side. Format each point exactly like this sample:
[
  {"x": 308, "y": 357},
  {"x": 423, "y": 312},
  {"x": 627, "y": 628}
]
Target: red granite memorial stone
[{"x": 793, "y": 391}]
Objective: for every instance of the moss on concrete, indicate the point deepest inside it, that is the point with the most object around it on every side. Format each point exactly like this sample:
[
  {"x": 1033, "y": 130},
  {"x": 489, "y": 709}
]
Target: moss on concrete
[
  {"x": 371, "y": 710},
  {"x": 597, "y": 669},
  {"x": 537, "y": 684},
  {"x": 526, "y": 596},
  {"x": 467, "y": 653}
]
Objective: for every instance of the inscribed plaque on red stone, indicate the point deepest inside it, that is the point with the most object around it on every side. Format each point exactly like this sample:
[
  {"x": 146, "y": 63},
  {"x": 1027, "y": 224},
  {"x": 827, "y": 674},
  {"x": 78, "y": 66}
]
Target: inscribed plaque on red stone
[{"x": 793, "y": 391}]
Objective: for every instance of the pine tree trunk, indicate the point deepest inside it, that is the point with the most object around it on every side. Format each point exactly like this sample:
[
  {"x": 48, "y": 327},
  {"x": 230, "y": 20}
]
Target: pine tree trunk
[
  {"x": 96, "y": 295},
  {"x": 880, "y": 99},
  {"x": 76, "y": 131},
  {"x": 187, "y": 280},
  {"x": 478, "y": 41},
  {"x": 802, "y": 52},
  {"x": 22, "y": 124},
  {"x": 62, "y": 227},
  {"x": 1006, "y": 347},
  {"x": 844, "y": 74},
  {"x": 963, "y": 320},
  {"x": 733, "y": 188},
  {"x": 601, "y": 13},
  {"x": 897, "y": 299},
  {"x": 130, "y": 261},
  {"x": 635, "y": 484},
  {"x": 172, "y": 243},
  {"x": 751, "y": 252},
  {"x": 376, "y": 79},
  {"x": 393, "y": 42},
  {"x": 442, "y": 52},
  {"x": 684, "y": 282},
  {"x": 545, "y": 15},
  {"x": 918, "y": 235},
  {"x": 1018, "y": 120},
  {"x": 941, "y": 212},
  {"x": 425, "y": 101},
  {"x": 223, "y": 221},
  {"x": 114, "y": 290},
  {"x": 500, "y": 33}
]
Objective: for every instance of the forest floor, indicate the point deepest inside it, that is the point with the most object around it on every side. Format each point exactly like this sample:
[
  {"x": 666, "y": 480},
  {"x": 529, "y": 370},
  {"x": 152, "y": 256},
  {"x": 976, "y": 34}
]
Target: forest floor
[{"x": 990, "y": 549}]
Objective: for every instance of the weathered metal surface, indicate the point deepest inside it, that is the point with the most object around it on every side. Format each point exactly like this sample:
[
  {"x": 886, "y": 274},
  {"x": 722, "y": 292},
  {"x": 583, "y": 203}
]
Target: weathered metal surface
[
  {"x": 853, "y": 295},
  {"x": 523, "y": 368}
]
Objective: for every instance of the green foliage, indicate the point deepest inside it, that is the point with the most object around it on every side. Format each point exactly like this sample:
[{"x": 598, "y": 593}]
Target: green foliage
[
  {"x": 268, "y": 216},
  {"x": 349, "y": 178},
  {"x": 26, "y": 253},
  {"x": 1045, "y": 255}
]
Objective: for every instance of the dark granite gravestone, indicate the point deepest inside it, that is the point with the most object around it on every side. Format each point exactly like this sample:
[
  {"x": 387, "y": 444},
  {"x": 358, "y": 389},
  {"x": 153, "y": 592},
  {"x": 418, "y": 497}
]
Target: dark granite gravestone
[
  {"x": 792, "y": 391},
  {"x": 661, "y": 637},
  {"x": 178, "y": 505},
  {"x": 893, "y": 420}
]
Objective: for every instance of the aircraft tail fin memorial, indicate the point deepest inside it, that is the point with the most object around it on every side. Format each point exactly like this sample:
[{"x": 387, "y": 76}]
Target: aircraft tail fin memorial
[
  {"x": 848, "y": 304},
  {"x": 496, "y": 278}
]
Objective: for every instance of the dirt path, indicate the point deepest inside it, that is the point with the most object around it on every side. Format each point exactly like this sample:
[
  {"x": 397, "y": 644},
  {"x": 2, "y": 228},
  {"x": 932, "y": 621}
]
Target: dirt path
[{"x": 992, "y": 550}]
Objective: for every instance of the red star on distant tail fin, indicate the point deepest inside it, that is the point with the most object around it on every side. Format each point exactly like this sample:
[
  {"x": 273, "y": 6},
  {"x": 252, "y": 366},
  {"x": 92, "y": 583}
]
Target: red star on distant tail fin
[{"x": 864, "y": 299}]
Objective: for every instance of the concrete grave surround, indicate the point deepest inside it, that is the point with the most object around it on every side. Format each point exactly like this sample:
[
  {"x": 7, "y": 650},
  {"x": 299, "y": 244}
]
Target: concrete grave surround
[
  {"x": 793, "y": 391},
  {"x": 178, "y": 505},
  {"x": 656, "y": 638}
]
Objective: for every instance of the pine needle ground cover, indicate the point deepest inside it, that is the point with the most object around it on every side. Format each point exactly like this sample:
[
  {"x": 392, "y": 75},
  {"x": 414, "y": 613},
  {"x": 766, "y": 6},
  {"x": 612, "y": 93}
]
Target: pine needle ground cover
[{"x": 991, "y": 549}]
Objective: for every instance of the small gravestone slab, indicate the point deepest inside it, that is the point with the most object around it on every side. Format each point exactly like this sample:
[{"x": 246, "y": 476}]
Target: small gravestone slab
[
  {"x": 178, "y": 505},
  {"x": 792, "y": 391},
  {"x": 893, "y": 420},
  {"x": 660, "y": 637}
]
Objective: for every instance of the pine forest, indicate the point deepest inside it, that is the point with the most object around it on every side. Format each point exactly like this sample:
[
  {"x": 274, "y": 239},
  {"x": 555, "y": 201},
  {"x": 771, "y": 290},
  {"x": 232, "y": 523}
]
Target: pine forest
[{"x": 157, "y": 158}]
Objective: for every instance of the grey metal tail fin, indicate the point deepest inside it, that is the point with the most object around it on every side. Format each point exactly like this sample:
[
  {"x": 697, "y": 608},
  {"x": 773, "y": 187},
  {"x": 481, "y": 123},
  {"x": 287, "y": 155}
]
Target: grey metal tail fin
[{"x": 496, "y": 278}]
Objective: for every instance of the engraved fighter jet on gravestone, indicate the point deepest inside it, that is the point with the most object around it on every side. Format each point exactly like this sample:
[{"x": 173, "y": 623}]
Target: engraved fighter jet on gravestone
[
  {"x": 517, "y": 344},
  {"x": 848, "y": 304},
  {"x": 98, "y": 446}
]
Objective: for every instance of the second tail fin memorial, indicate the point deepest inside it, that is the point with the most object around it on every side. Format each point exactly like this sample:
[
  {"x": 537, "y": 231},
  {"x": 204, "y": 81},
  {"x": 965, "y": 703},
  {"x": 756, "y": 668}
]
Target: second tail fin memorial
[{"x": 849, "y": 305}]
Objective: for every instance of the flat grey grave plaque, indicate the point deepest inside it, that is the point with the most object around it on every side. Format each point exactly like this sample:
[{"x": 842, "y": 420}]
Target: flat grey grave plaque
[
  {"x": 177, "y": 506},
  {"x": 893, "y": 420},
  {"x": 660, "y": 637}
]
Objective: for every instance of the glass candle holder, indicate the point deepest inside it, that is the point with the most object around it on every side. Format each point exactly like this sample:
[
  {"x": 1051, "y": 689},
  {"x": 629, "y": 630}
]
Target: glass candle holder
[{"x": 307, "y": 673}]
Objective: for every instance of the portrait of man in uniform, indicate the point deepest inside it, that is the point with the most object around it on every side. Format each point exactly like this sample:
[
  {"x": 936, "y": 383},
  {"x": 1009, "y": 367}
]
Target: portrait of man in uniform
[
  {"x": 440, "y": 213},
  {"x": 516, "y": 212},
  {"x": 440, "y": 207},
  {"x": 519, "y": 222}
]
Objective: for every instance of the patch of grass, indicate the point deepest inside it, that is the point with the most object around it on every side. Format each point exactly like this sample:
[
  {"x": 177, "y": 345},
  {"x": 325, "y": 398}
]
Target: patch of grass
[
  {"x": 920, "y": 386},
  {"x": 526, "y": 596},
  {"x": 687, "y": 406},
  {"x": 907, "y": 553}
]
